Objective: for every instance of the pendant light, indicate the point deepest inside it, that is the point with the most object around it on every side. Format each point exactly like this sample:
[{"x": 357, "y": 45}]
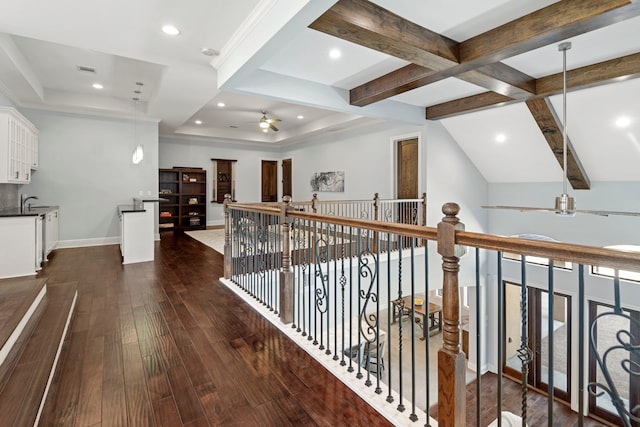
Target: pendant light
[{"x": 138, "y": 151}]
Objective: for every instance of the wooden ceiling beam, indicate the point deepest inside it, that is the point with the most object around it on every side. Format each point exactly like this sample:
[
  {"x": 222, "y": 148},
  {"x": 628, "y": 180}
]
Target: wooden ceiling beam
[
  {"x": 475, "y": 60},
  {"x": 551, "y": 128},
  {"x": 606, "y": 72},
  {"x": 498, "y": 78},
  {"x": 367, "y": 24},
  {"x": 556, "y": 22}
]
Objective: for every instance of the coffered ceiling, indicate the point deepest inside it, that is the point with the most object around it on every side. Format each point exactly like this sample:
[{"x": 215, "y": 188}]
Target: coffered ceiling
[{"x": 480, "y": 68}]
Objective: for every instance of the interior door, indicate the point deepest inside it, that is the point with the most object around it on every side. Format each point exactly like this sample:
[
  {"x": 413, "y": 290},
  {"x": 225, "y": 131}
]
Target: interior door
[
  {"x": 287, "y": 189},
  {"x": 407, "y": 169},
  {"x": 407, "y": 180},
  {"x": 269, "y": 181},
  {"x": 537, "y": 318}
]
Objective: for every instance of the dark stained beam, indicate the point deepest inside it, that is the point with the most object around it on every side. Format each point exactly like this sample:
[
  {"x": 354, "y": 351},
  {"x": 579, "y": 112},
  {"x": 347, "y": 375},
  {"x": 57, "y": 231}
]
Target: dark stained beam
[
  {"x": 361, "y": 22},
  {"x": 467, "y": 104},
  {"x": 602, "y": 73},
  {"x": 367, "y": 24},
  {"x": 551, "y": 128},
  {"x": 389, "y": 85},
  {"x": 498, "y": 78},
  {"x": 559, "y": 21}
]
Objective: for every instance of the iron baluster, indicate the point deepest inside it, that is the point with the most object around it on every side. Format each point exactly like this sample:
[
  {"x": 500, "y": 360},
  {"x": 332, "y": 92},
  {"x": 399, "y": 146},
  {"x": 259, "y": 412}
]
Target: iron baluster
[{"x": 524, "y": 352}]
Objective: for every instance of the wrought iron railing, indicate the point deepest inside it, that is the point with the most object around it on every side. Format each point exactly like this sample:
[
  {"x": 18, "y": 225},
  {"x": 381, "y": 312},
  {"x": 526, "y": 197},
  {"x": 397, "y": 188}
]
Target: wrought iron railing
[{"x": 345, "y": 288}]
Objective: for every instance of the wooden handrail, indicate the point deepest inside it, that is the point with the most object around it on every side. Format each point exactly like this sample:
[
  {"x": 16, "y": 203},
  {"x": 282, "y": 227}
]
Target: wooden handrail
[{"x": 581, "y": 254}]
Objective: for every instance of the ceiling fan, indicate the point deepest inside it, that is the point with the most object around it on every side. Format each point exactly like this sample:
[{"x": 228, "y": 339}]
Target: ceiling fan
[
  {"x": 268, "y": 123},
  {"x": 565, "y": 204}
]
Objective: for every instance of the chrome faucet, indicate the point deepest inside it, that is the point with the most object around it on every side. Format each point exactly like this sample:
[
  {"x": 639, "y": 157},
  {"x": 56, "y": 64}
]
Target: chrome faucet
[{"x": 23, "y": 201}]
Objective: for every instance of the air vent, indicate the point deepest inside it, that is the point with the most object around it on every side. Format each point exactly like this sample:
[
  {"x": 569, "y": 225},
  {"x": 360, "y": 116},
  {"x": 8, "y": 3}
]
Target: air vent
[{"x": 86, "y": 69}]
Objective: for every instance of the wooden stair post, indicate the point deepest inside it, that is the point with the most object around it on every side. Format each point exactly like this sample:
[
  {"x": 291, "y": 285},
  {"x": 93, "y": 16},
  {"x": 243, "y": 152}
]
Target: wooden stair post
[
  {"x": 451, "y": 361},
  {"x": 286, "y": 272}
]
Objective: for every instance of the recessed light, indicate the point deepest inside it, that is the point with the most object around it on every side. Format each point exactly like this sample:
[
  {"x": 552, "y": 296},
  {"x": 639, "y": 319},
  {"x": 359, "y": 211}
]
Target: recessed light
[
  {"x": 97, "y": 86},
  {"x": 501, "y": 137},
  {"x": 300, "y": 117},
  {"x": 198, "y": 122},
  {"x": 623, "y": 122},
  {"x": 221, "y": 104},
  {"x": 170, "y": 30},
  {"x": 335, "y": 53}
]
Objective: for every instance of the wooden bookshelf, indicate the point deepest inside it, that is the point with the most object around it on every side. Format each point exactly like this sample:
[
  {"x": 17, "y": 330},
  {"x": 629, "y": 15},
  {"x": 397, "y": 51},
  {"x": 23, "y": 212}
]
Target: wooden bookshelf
[{"x": 186, "y": 190}]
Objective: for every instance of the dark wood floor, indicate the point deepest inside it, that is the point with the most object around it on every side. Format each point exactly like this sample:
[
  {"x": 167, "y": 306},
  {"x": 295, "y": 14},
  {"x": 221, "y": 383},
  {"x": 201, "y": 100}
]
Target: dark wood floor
[
  {"x": 164, "y": 343},
  {"x": 537, "y": 413}
]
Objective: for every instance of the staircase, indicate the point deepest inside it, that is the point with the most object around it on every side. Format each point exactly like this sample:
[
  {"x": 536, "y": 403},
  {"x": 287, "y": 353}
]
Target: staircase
[{"x": 34, "y": 318}]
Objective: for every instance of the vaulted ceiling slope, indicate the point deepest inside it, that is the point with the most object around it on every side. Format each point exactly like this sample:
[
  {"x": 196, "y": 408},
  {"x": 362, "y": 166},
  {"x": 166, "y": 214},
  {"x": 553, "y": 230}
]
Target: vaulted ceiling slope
[{"x": 480, "y": 68}]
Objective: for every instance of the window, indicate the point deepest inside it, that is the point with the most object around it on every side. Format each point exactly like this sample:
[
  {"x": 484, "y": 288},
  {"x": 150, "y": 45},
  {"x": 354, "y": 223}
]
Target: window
[
  {"x": 632, "y": 276},
  {"x": 224, "y": 180},
  {"x": 534, "y": 259}
]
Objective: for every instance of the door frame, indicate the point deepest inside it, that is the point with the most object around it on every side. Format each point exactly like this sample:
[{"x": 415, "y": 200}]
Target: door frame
[{"x": 393, "y": 167}]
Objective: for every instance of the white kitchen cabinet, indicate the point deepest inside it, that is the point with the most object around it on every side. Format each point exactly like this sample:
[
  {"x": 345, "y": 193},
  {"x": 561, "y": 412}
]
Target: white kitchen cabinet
[
  {"x": 18, "y": 246},
  {"x": 39, "y": 241},
  {"x": 19, "y": 141},
  {"x": 51, "y": 232},
  {"x": 137, "y": 226}
]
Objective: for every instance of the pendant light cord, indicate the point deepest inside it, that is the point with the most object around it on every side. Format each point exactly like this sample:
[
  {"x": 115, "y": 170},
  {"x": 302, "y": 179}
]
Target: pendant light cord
[{"x": 564, "y": 47}]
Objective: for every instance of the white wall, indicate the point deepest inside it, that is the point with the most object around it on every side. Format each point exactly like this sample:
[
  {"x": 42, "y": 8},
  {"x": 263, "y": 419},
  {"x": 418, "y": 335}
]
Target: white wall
[
  {"x": 193, "y": 152},
  {"x": 85, "y": 168},
  {"x": 365, "y": 155},
  {"x": 583, "y": 229}
]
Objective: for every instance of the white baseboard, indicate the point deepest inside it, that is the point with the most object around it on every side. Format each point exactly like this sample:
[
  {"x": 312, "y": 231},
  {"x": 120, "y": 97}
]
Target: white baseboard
[{"x": 80, "y": 243}]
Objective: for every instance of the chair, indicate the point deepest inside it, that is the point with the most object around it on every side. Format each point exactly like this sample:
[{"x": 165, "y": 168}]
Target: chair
[
  {"x": 373, "y": 355},
  {"x": 366, "y": 354}
]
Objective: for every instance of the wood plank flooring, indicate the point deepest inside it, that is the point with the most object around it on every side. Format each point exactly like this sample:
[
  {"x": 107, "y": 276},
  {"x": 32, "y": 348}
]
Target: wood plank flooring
[
  {"x": 563, "y": 416},
  {"x": 164, "y": 343}
]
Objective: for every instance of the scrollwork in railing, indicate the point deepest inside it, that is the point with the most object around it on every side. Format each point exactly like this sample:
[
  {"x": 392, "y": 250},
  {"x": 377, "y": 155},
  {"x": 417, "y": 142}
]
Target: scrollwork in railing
[
  {"x": 368, "y": 322},
  {"x": 628, "y": 345},
  {"x": 321, "y": 295}
]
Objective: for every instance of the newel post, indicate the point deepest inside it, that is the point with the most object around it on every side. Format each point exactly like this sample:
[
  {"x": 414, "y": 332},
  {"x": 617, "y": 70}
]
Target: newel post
[
  {"x": 227, "y": 237},
  {"x": 286, "y": 272},
  {"x": 451, "y": 361},
  {"x": 314, "y": 203}
]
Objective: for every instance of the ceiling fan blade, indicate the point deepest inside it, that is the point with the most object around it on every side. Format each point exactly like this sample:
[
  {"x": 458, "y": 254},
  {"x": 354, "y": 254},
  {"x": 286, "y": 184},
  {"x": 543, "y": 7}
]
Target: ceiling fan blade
[
  {"x": 607, "y": 213},
  {"x": 521, "y": 208},
  {"x": 273, "y": 127}
]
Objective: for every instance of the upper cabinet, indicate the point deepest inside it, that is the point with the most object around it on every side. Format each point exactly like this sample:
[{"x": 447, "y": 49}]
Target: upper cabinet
[{"x": 18, "y": 147}]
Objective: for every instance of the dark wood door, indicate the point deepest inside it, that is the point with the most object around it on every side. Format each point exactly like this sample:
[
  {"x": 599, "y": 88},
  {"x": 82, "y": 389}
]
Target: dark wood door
[
  {"x": 269, "y": 181},
  {"x": 287, "y": 189},
  {"x": 407, "y": 179}
]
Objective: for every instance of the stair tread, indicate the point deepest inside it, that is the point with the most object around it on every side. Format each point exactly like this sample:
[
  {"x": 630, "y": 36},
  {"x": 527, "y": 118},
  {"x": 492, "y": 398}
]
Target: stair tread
[
  {"x": 16, "y": 296},
  {"x": 22, "y": 395}
]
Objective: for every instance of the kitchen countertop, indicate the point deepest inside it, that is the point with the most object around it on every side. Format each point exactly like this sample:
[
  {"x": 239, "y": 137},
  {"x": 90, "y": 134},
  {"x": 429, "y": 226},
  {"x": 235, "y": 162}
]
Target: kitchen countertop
[
  {"x": 33, "y": 211},
  {"x": 138, "y": 204}
]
